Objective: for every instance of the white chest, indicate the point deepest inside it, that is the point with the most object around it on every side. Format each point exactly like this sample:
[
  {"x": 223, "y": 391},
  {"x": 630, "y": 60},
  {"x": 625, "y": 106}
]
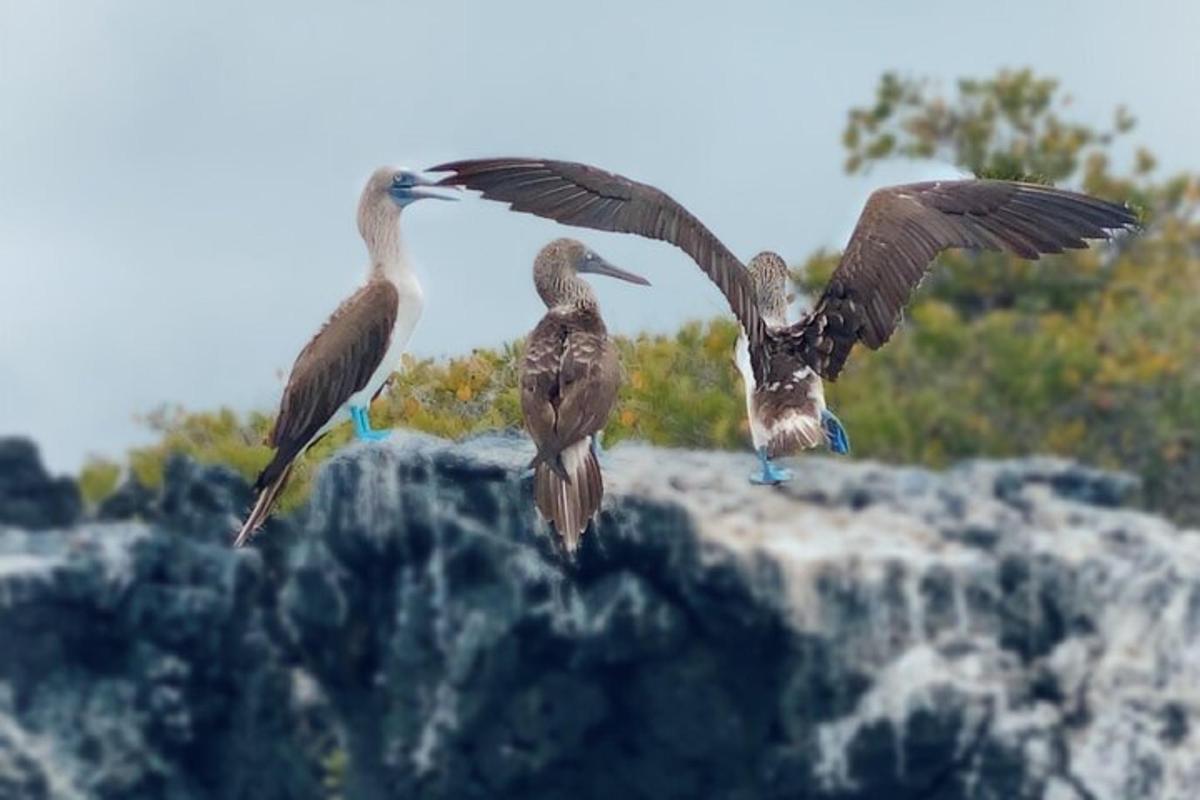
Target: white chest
[
  {"x": 408, "y": 312},
  {"x": 412, "y": 302}
]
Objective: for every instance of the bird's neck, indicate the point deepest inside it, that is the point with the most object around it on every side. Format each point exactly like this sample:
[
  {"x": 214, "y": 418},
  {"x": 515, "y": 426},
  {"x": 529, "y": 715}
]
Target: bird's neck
[
  {"x": 565, "y": 290},
  {"x": 389, "y": 259},
  {"x": 773, "y": 308}
]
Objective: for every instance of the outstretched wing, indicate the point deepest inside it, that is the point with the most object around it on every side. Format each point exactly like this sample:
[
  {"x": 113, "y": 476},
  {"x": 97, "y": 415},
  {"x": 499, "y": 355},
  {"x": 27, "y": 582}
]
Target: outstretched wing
[
  {"x": 902, "y": 228},
  {"x": 588, "y": 197}
]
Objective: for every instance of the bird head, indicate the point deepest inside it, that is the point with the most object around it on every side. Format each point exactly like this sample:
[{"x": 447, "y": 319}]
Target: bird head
[
  {"x": 771, "y": 276},
  {"x": 388, "y": 190},
  {"x": 406, "y": 186},
  {"x": 558, "y": 264}
]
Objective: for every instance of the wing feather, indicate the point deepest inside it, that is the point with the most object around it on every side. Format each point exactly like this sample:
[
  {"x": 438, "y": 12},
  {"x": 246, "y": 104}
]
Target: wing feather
[
  {"x": 335, "y": 364},
  {"x": 569, "y": 381},
  {"x": 552, "y": 189},
  {"x": 902, "y": 229}
]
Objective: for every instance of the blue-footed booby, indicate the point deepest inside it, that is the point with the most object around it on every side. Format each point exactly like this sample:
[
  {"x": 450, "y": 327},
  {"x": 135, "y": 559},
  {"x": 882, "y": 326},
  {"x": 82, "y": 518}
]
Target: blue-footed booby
[
  {"x": 787, "y": 414},
  {"x": 569, "y": 380},
  {"x": 900, "y": 231},
  {"x": 354, "y": 353}
]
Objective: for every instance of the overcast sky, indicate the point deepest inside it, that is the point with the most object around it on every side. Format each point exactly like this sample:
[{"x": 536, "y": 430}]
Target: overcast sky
[{"x": 178, "y": 181}]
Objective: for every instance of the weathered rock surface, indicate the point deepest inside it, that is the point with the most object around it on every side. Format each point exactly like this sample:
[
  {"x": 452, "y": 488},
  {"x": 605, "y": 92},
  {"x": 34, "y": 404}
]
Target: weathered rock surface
[
  {"x": 29, "y": 497},
  {"x": 1002, "y": 630}
]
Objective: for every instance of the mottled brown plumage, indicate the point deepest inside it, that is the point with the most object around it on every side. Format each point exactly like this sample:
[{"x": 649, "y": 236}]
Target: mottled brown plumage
[
  {"x": 900, "y": 231},
  {"x": 569, "y": 380},
  {"x": 784, "y": 409}
]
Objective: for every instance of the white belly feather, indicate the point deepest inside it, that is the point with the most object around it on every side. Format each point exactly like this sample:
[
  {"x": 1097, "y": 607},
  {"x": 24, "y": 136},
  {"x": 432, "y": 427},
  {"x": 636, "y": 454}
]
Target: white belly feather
[
  {"x": 412, "y": 301},
  {"x": 758, "y": 433}
]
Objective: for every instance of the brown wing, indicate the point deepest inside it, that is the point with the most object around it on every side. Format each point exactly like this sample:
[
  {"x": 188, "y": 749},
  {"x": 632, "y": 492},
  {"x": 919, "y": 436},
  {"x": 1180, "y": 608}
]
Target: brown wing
[
  {"x": 569, "y": 383},
  {"x": 335, "y": 364},
  {"x": 588, "y": 197},
  {"x": 539, "y": 380},
  {"x": 902, "y": 228},
  {"x": 588, "y": 383}
]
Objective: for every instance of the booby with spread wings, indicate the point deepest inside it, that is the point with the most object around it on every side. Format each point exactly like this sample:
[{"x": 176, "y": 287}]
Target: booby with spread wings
[
  {"x": 786, "y": 415},
  {"x": 350, "y": 358},
  {"x": 900, "y": 231},
  {"x": 569, "y": 379}
]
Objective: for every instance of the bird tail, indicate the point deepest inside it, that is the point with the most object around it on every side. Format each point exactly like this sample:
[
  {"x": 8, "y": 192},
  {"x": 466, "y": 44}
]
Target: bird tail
[
  {"x": 793, "y": 433},
  {"x": 554, "y": 462},
  {"x": 570, "y": 504},
  {"x": 789, "y": 421},
  {"x": 270, "y": 484}
]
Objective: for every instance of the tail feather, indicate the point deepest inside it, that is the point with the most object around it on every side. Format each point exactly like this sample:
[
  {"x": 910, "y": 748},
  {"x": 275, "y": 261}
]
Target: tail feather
[
  {"x": 269, "y": 486},
  {"x": 555, "y": 464},
  {"x": 569, "y": 505},
  {"x": 793, "y": 432}
]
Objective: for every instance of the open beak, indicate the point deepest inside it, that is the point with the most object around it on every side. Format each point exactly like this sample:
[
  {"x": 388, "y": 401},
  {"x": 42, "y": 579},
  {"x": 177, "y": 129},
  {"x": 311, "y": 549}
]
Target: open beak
[
  {"x": 423, "y": 187},
  {"x": 598, "y": 266}
]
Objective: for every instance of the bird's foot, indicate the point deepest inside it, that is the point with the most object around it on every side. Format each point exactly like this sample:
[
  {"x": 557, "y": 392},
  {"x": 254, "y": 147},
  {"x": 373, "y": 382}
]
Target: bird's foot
[
  {"x": 771, "y": 475},
  {"x": 362, "y": 426},
  {"x": 835, "y": 433}
]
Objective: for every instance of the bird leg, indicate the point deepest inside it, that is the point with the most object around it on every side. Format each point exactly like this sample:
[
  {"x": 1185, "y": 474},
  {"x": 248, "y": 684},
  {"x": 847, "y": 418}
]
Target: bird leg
[
  {"x": 362, "y": 425},
  {"x": 835, "y": 432},
  {"x": 771, "y": 474}
]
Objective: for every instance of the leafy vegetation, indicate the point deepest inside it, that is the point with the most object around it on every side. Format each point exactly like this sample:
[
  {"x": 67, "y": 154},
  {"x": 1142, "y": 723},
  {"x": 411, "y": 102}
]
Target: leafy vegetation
[{"x": 1093, "y": 354}]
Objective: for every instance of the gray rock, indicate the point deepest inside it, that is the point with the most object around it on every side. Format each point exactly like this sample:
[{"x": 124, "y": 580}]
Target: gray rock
[
  {"x": 1000, "y": 630},
  {"x": 29, "y": 497}
]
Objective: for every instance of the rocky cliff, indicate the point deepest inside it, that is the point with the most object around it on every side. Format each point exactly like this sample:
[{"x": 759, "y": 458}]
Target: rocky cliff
[{"x": 1001, "y": 630}]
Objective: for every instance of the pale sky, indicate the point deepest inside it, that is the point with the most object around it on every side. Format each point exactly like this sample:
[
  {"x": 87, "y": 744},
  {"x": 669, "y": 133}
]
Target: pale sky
[{"x": 178, "y": 181}]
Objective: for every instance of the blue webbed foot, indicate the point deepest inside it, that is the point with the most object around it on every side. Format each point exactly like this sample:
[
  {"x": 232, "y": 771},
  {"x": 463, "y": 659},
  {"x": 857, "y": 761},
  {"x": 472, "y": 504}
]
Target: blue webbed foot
[
  {"x": 835, "y": 433},
  {"x": 771, "y": 474},
  {"x": 362, "y": 426}
]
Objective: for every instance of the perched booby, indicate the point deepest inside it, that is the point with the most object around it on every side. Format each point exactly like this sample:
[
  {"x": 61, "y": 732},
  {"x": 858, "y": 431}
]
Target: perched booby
[
  {"x": 789, "y": 415},
  {"x": 900, "y": 231},
  {"x": 351, "y": 357},
  {"x": 569, "y": 380}
]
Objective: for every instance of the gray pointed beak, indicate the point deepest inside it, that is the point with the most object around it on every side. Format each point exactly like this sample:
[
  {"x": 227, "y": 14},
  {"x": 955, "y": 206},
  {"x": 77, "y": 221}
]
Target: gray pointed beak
[
  {"x": 598, "y": 266},
  {"x": 428, "y": 188}
]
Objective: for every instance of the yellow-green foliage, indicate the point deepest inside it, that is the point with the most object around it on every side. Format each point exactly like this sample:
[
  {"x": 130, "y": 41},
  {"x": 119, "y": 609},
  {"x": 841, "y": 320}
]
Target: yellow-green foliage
[
  {"x": 1092, "y": 354},
  {"x": 456, "y": 397},
  {"x": 679, "y": 389},
  {"x": 98, "y": 479},
  {"x": 334, "y": 778}
]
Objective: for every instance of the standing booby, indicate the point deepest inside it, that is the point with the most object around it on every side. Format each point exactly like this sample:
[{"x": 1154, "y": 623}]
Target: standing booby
[
  {"x": 569, "y": 380},
  {"x": 900, "y": 231},
  {"x": 350, "y": 358},
  {"x": 789, "y": 414}
]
